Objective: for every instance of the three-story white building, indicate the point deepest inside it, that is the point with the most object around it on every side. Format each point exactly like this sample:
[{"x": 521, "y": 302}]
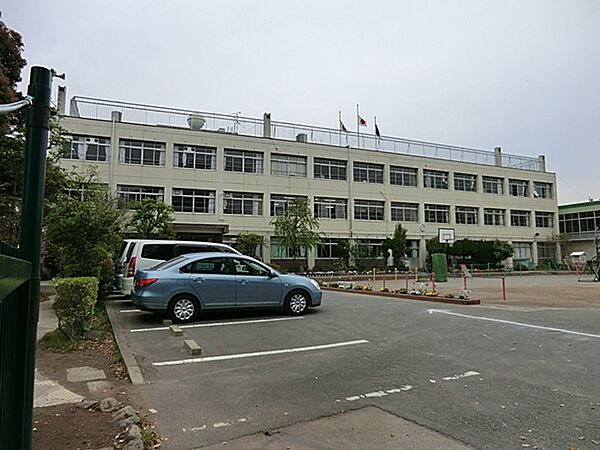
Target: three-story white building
[{"x": 226, "y": 174}]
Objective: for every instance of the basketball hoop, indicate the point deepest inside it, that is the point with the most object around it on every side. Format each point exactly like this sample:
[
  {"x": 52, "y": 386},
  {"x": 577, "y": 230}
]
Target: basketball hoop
[{"x": 446, "y": 236}]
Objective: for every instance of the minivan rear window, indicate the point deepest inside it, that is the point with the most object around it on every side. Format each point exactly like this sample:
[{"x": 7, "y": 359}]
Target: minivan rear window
[
  {"x": 129, "y": 252},
  {"x": 161, "y": 252}
]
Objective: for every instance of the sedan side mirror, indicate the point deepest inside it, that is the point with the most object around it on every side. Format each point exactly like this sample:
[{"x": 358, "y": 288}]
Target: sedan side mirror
[{"x": 272, "y": 274}]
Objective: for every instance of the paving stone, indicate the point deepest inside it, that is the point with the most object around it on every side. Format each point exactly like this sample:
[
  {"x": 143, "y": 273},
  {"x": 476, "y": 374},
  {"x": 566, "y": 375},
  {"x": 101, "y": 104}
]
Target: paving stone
[
  {"x": 99, "y": 387},
  {"x": 49, "y": 393},
  {"x": 85, "y": 373}
]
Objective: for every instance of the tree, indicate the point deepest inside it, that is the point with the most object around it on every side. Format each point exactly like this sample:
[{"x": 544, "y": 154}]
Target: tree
[
  {"x": 12, "y": 142},
  {"x": 247, "y": 243},
  {"x": 152, "y": 219},
  {"x": 82, "y": 234},
  {"x": 398, "y": 246},
  {"x": 295, "y": 229}
]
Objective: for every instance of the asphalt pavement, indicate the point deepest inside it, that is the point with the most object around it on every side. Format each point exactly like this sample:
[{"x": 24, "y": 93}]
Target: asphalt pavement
[{"x": 480, "y": 377}]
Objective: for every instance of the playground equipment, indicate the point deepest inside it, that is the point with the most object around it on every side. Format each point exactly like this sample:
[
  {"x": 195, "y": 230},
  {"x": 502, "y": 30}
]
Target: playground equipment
[{"x": 591, "y": 267}]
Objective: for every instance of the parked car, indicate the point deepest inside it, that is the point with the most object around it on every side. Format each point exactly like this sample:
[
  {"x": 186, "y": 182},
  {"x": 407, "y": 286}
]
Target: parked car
[
  {"x": 196, "y": 282},
  {"x": 145, "y": 253}
]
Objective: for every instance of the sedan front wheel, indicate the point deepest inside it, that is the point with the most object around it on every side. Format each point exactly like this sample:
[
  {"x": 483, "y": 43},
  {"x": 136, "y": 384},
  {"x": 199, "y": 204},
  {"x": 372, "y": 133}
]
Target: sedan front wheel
[{"x": 296, "y": 303}]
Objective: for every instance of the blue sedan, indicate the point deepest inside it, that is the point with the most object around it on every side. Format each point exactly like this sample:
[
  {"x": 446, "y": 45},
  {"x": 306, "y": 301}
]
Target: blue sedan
[{"x": 190, "y": 283}]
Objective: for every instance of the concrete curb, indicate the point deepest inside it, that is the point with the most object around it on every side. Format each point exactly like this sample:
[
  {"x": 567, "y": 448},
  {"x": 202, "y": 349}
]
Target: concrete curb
[
  {"x": 422, "y": 298},
  {"x": 135, "y": 374}
]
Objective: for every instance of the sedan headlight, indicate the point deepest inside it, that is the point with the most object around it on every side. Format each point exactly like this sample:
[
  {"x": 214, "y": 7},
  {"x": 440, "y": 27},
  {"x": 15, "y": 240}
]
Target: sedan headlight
[{"x": 316, "y": 284}]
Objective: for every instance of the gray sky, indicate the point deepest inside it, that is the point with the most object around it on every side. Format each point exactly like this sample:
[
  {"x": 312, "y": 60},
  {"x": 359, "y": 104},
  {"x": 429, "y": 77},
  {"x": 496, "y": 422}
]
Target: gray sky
[{"x": 524, "y": 75}]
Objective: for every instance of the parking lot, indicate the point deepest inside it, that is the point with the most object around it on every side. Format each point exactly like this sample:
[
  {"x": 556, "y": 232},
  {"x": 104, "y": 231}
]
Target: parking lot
[{"x": 490, "y": 376}]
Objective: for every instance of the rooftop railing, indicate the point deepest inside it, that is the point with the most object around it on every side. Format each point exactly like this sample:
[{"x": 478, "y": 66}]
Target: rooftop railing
[{"x": 88, "y": 107}]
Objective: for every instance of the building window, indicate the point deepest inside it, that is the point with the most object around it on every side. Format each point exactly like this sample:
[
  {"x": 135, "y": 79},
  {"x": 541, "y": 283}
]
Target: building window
[
  {"x": 193, "y": 201},
  {"x": 194, "y": 157},
  {"x": 129, "y": 193},
  {"x": 278, "y": 251},
  {"x": 519, "y": 218},
  {"x": 403, "y": 176},
  {"x": 243, "y": 203},
  {"x": 493, "y": 216},
  {"x": 518, "y": 188},
  {"x": 330, "y": 169},
  {"x": 280, "y": 203},
  {"x": 465, "y": 182},
  {"x": 288, "y": 165},
  {"x": 142, "y": 153},
  {"x": 368, "y": 173},
  {"x": 466, "y": 215},
  {"x": 437, "y": 214},
  {"x": 331, "y": 208},
  {"x": 544, "y": 219},
  {"x": 522, "y": 252},
  {"x": 82, "y": 191},
  {"x": 330, "y": 248},
  {"x": 493, "y": 185},
  {"x": 405, "y": 212},
  {"x": 435, "y": 179},
  {"x": 368, "y": 209},
  {"x": 243, "y": 161},
  {"x": 542, "y": 190},
  {"x": 87, "y": 148},
  {"x": 368, "y": 248}
]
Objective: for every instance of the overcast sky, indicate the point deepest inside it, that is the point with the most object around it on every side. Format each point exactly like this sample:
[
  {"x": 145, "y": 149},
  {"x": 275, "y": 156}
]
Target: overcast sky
[{"x": 523, "y": 75}]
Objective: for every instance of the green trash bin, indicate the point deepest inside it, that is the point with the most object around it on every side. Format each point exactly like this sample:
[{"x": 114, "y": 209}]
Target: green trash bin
[{"x": 439, "y": 264}]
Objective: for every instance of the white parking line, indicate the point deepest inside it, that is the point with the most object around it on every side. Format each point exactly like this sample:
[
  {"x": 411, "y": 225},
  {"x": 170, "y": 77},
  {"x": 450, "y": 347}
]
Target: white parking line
[
  {"x": 265, "y": 353},
  {"x": 130, "y": 310},
  {"x": 510, "y": 322},
  {"x": 215, "y": 324}
]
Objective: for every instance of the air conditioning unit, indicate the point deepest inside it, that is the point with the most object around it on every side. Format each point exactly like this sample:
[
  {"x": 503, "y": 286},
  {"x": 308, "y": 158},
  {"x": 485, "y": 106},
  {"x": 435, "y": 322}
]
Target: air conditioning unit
[
  {"x": 188, "y": 149},
  {"x": 92, "y": 140},
  {"x": 177, "y": 191},
  {"x": 227, "y": 195}
]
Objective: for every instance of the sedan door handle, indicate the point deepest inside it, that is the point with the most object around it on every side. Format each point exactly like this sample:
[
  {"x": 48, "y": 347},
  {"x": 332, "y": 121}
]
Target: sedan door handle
[
  {"x": 199, "y": 280},
  {"x": 243, "y": 282}
]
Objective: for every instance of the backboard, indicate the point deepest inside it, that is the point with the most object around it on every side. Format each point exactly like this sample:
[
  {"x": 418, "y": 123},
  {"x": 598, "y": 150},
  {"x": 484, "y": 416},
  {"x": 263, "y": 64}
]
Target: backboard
[{"x": 446, "y": 235}]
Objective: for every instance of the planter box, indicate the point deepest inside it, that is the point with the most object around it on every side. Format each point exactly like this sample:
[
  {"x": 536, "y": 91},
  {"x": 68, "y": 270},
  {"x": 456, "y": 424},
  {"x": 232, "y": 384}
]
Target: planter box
[{"x": 422, "y": 298}]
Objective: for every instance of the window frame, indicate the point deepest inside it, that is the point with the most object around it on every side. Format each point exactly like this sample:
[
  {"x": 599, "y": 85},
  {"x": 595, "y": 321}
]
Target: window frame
[
  {"x": 370, "y": 210},
  {"x": 399, "y": 210},
  {"x": 367, "y": 172},
  {"x": 288, "y": 161},
  {"x": 465, "y": 182},
  {"x": 197, "y": 157},
  {"x": 243, "y": 161},
  {"x": 432, "y": 213},
  {"x": 244, "y": 199},
  {"x": 404, "y": 176},
  {"x": 435, "y": 179},
  {"x": 209, "y": 197},
  {"x": 151, "y": 153},
  {"x": 335, "y": 169}
]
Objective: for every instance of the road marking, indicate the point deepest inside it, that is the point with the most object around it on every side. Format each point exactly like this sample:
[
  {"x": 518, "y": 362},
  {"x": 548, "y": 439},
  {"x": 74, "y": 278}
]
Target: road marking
[
  {"x": 130, "y": 310},
  {"x": 265, "y": 353},
  {"x": 215, "y": 324},
  {"x": 470, "y": 373},
  {"x": 510, "y": 322},
  {"x": 376, "y": 394}
]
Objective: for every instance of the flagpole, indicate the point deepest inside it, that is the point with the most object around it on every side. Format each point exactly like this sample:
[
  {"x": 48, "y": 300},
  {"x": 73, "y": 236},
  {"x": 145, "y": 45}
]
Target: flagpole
[
  {"x": 375, "y": 124},
  {"x": 358, "y": 125}
]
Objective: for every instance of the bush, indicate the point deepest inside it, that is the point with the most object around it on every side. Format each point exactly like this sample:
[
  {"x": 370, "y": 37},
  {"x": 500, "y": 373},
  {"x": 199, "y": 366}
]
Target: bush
[{"x": 74, "y": 304}]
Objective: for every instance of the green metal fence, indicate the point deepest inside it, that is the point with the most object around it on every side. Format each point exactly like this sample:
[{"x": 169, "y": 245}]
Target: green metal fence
[{"x": 15, "y": 275}]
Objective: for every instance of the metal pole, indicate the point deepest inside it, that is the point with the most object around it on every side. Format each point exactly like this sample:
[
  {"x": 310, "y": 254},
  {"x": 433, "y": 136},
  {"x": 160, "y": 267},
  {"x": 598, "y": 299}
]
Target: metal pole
[{"x": 36, "y": 140}]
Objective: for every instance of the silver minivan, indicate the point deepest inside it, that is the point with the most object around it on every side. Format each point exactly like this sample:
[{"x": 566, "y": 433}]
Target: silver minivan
[{"x": 139, "y": 254}]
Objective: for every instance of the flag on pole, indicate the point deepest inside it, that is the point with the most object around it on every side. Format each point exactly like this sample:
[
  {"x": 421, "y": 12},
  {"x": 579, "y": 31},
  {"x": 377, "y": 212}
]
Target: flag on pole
[
  {"x": 377, "y": 131},
  {"x": 362, "y": 122},
  {"x": 343, "y": 127}
]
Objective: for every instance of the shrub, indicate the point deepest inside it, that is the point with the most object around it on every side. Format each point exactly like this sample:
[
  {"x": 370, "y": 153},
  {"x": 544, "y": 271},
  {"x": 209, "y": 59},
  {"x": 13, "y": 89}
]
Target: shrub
[{"x": 74, "y": 304}]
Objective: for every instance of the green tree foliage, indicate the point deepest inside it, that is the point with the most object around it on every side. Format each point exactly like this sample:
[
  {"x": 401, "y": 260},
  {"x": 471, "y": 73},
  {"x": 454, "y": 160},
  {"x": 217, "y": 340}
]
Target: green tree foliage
[
  {"x": 12, "y": 141},
  {"x": 398, "y": 246},
  {"x": 82, "y": 234},
  {"x": 247, "y": 243},
  {"x": 295, "y": 229},
  {"x": 151, "y": 220},
  {"x": 473, "y": 252}
]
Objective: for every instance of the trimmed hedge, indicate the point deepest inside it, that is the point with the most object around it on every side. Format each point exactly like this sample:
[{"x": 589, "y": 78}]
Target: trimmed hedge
[{"x": 74, "y": 304}]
